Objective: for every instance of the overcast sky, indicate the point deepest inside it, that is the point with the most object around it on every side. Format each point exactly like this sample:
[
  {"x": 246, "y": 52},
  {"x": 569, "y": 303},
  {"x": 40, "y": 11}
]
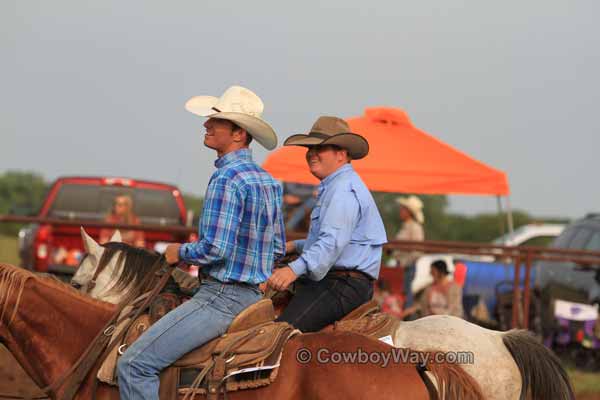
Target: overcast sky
[{"x": 97, "y": 88}]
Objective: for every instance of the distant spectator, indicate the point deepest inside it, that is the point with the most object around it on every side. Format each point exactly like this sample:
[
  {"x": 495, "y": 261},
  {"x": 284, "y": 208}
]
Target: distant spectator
[
  {"x": 411, "y": 214},
  {"x": 391, "y": 303},
  {"x": 443, "y": 297},
  {"x": 122, "y": 213}
]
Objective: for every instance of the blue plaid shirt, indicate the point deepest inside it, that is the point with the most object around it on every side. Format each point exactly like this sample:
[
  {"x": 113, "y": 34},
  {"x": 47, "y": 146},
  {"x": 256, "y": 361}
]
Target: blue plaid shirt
[{"x": 241, "y": 230}]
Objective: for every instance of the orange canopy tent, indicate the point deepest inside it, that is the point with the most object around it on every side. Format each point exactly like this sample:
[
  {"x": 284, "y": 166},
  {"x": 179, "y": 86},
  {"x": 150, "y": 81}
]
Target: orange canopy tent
[{"x": 402, "y": 159}]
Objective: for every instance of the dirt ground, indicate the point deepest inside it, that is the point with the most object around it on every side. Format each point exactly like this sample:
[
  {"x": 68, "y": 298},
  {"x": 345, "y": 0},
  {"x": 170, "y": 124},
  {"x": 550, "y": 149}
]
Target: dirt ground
[{"x": 14, "y": 381}]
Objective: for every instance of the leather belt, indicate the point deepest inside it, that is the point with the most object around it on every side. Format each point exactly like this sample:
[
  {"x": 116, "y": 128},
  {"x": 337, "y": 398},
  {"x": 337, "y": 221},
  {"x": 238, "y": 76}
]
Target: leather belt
[
  {"x": 350, "y": 272},
  {"x": 211, "y": 279}
]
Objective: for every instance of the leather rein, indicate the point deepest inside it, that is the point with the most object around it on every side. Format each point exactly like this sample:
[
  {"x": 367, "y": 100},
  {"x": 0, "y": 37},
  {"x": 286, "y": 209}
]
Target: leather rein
[{"x": 102, "y": 345}]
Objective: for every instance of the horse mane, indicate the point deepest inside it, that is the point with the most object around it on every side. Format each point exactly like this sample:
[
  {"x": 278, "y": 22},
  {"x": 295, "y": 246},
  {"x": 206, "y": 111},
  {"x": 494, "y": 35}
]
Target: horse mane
[
  {"x": 137, "y": 263},
  {"x": 55, "y": 279},
  {"x": 12, "y": 280}
]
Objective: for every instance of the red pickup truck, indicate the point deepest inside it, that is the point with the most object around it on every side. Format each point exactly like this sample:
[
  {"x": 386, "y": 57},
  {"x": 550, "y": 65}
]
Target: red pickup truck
[{"x": 57, "y": 248}]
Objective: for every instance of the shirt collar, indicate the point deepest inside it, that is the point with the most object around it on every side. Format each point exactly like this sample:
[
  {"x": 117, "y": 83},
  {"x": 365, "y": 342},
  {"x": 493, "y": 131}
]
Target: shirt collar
[
  {"x": 325, "y": 182},
  {"x": 234, "y": 156}
]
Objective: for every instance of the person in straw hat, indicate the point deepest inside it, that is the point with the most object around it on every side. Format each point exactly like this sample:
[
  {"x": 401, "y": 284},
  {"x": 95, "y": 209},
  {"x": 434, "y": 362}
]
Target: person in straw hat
[
  {"x": 411, "y": 215},
  {"x": 340, "y": 258},
  {"x": 241, "y": 232}
]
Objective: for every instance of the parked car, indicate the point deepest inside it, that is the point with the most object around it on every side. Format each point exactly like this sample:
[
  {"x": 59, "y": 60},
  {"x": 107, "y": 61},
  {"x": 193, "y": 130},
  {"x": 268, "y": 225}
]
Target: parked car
[
  {"x": 583, "y": 234},
  {"x": 568, "y": 296},
  {"x": 526, "y": 235},
  {"x": 57, "y": 248},
  {"x": 531, "y": 235}
]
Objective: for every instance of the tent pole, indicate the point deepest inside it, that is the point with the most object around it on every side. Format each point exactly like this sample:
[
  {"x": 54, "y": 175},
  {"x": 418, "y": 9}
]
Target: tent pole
[
  {"x": 509, "y": 215},
  {"x": 501, "y": 219}
]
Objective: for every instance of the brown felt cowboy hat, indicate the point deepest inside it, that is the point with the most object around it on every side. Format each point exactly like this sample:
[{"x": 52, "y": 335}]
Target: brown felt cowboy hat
[{"x": 332, "y": 131}]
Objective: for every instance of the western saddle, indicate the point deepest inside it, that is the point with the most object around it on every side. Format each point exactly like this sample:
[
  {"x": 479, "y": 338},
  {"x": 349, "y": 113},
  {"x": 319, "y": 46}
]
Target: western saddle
[{"x": 248, "y": 354}]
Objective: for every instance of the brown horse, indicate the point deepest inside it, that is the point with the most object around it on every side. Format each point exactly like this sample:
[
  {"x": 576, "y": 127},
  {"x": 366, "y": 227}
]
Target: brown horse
[{"x": 46, "y": 325}]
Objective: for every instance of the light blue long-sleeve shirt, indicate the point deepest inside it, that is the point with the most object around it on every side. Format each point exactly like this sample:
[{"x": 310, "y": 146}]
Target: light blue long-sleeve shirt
[{"x": 346, "y": 230}]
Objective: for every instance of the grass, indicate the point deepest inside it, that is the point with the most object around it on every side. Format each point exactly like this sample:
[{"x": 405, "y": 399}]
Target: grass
[
  {"x": 584, "y": 382},
  {"x": 8, "y": 250}
]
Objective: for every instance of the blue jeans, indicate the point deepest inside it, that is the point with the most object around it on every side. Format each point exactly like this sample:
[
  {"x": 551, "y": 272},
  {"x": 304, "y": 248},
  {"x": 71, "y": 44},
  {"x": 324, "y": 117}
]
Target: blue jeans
[{"x": 195, "y": 322}]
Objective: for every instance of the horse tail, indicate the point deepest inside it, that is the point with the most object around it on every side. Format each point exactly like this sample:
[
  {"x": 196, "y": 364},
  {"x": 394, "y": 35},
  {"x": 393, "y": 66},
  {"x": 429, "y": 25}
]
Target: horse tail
[
  {"x": 542, "y": 375},
  {"x": 453, "y": 382}
]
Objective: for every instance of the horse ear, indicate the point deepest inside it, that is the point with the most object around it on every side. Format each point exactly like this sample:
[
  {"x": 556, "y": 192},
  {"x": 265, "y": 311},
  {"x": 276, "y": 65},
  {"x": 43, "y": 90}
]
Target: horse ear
[
  {"x": 116, "y": 237},
  {"x": 90, "y": 245}
]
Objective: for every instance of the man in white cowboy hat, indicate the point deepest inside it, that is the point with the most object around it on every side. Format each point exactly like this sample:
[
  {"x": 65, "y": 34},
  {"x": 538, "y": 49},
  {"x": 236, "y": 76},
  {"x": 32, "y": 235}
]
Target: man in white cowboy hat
[
  {"x": 241, "y": 232},
  {"x": 340, "y": 258},
  {"x": 411, "y": 215}
]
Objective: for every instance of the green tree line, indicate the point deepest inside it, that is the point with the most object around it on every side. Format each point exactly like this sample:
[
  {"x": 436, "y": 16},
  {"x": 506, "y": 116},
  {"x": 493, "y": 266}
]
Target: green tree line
[
  {"x": 443, "y": 225},
  {"x": 23, "y": 192}
]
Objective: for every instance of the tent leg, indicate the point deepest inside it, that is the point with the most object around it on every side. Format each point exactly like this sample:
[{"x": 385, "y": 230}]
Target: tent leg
[
  {"x": 499, "y": 202},
  {"x": 509, "y": 216}
]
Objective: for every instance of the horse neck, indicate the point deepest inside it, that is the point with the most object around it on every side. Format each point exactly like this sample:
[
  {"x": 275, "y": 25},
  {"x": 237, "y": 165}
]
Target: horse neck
[{"x": 51, "y": 328}]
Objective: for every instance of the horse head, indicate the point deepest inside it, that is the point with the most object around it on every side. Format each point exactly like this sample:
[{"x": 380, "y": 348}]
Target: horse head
[
  {"x": 88, "y": 274},
  {"x": 110, "y": 272}
]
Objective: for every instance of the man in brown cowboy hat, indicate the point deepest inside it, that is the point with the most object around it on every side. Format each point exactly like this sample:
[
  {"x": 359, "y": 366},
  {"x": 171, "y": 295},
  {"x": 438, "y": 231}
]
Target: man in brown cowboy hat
[{"x": 340, "y": 258}]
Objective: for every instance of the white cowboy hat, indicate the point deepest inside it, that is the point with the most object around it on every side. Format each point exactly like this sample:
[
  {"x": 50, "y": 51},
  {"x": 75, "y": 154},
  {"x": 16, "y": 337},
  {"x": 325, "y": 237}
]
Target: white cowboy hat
[
  {"x": 334, "y": 131},
  {"x": 240, "y": 106},
  {"x": 414, "y": 205}
]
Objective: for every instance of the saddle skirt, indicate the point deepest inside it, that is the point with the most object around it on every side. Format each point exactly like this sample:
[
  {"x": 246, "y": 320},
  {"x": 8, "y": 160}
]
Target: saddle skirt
[
  {"x": 366, "y": 320},
  {"x": 238, "y": 360}
]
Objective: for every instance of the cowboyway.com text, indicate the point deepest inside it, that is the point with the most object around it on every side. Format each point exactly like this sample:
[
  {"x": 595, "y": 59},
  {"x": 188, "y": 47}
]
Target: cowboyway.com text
[{"x": 383, "y": 358}]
